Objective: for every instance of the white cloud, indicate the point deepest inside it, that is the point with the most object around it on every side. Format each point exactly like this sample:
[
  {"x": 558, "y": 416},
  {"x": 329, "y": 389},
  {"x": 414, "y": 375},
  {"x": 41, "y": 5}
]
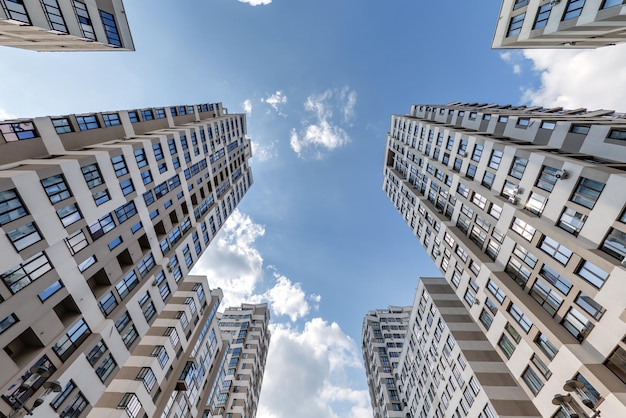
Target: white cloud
[
  {"x": 231, "y": 261},
  {"x": 306, "y": 374},
  {"x": 321, "y": 133},
  {"x": 276, "y": 100},
  {"x": 263, "y": 151},
  {"x": 513, "y": 58},
  {"x": 592, "y": 79},
  {"x": 286, "y": 298},
  {"x": 247, "y": 106},
  {"x": 4, "y": 115},
  {"x": 256, "y": 2}
]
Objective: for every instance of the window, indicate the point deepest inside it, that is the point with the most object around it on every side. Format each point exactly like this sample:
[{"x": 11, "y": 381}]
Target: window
[
  {"x": 130, "y": 403},
  {"x": 536, "y": 203},
  {"x": 15, "y": 10},
  {"x": 543, "y": 14},
  {"x": 592, "y": 273},
  {"x": 111, "y": 119},
  {"x": 127, "y": 186},
  {"x": 86, "y": 123},
  {"x": 549, "y": 300},
  {"x": 488, "y": 179},
  {"x": 558, "y": 281},
  {"x": 24, "y": 236},
  {"x": 615, "y": 244},
  {"x": 495, "y": 291},
  {"x": 572, "y": 221},
  {"x": 518, "y": 167},
  {"x": 127, "y": 284},
  {"x": 495, "y": 159},
  {"x": 520, "y": 317},
  {"x": 546, "y": 346},
  {"x": 17, "y": 131},
  {"x": 7, "y": 322},
  {"x": 616, "y": 363},
  {"x": 27, "y": 272},
  {"x": 140, "y": 157},
  {"x": 61, "y": 126},
  {"x": 106, "y": 367},
  {"x": 161, "y": 354},
  {"x": 146, "y": 177},
  {"x": 85, "y": 21},
  {"x": 547, "y": 178},
  {"x": 577, "y": 324},
  {"x": 124, "y": 212},
  {"x": 147, "y": 306},
  {"x": 107, "y": 303},
  {"x": 557, "y": 251},
  {"x": 101, "y": 197},
  {"x": 506, "y": 346},
  {"x": 534, "y": 382},
  {"x": 519, "y": 3},
  {"x": 92, "y": 175},
  {"x": 524, "y": 229},
  {"x": 160, "y": 113},
  {"x": 56, "y": 188},
  {"x": 147, "y": 114},
  {"x": 147, "y": 376},
  {"x": 580, "y": 129},
  {"x": 587, "y": 192},
  {"x": 11, "y": 207},
  {"x": 574, "y": 9},
  {"x": 110, "y": 29},
  {"x": 619, "y": 134},
  {"x": 523, "y": 122},
  {"x": 87, "y": 263},
  {"x": 74, "y": 337},
  {"x": 50, "y": 290},
  {"x": 495, "y": 210},
  {"x": 486, "y": 319},
  {"x": 101, "y": 226},
  {"x": 590, "y": 306},
  {"x": 134, "y": 116}
]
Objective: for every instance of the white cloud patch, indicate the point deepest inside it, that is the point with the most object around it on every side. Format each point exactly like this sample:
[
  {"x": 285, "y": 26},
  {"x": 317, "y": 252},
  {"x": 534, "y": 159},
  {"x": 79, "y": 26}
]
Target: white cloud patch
[
  {"x": 247, "y": 106},
  {"x": 4, "y": 115},
  {"x": 593, "y": 79},
  {"x": 285, "y": 298},
  {"x": 276, "y": 100},
  {"x": 231, "y": 261},
  {"x": 321, "y": 132},
  {"x": 513, "y": 58},
  {"x": 264, "y": 151},
  {"x": 306, "y": 374},
  {"x": 256, "y": 2}
]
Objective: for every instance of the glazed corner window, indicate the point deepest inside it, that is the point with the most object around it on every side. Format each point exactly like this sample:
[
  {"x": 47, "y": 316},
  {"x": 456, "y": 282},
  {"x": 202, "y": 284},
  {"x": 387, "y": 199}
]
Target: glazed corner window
[
  {"x": 18, "y": 131},
  {"x": 580, "y": 129},
  {"x": 572, "y": 221},
  {"x": 86, "y": 123},
  {"x": 62, "y": 126},
  {"x": 110, "y": 28},
  {"x": 515, "y": 25},
  {"x": 587, "y": 192}
]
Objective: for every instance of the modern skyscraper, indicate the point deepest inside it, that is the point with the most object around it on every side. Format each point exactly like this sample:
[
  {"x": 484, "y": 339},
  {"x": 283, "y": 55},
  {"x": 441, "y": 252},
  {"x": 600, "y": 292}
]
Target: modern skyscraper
[
  {"x": 65, "y": 25},
  {"x": 245, "y": 330},
  {"x": 560, "y": 24},
  {"x": 103, "y": 215},
  {"x": 383, "y": 337},
  {"x": 523, "y": 210},
  {"x": 447, "y": 366}
]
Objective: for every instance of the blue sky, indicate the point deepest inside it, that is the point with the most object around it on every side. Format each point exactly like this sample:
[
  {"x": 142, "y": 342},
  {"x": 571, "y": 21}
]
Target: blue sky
[{"x": 315, "y": 237}]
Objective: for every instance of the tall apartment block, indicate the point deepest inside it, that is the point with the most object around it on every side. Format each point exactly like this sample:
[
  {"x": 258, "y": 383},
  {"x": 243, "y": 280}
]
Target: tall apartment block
[
  {"x": 523, "y": 210},
  {"x": 560, "y": 24},
  {"x": 245, "y": 330},
  {"x": 65, "y": 25},
  {"x": 449, "y": 368},
  {"x": 103, "y": 215},
  {"x": 383, "y": 335}
]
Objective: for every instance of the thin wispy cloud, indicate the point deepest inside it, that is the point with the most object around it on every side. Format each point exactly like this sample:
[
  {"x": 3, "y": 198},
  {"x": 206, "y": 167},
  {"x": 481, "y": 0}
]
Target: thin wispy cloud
[
  {"x": 276, "y": 101},
  {"x": 513, "y": 58},
  {"x": 579, "y": 78},
  {"x": 263, "y": 151},
  {"x": 322, "y": 131},
  {"x": 256, "y": 2},
  {"x": 4, "y": 115}
]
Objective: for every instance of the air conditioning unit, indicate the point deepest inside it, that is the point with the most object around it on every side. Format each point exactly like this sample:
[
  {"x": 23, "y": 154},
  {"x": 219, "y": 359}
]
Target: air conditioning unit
[
  {"x": 513, "y": 199},
  {"x": 554, "y": 2},
  {"x": 169, "y": 268},
  {"x": 463, "y": 154},
  {"x": 436, "y": 252},
  {"x": 561, "y": 174}
]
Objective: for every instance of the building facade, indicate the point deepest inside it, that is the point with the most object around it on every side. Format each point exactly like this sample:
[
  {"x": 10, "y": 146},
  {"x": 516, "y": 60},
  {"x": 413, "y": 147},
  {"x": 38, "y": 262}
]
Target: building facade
[
  {"x": 560, "y": 24},
  {"x": 523, "y": 211},
  {"x": 245, "y": 330},
  {"x": 103, "y": 215},
  {"x": 448, "y": 368},
  {"x": 383, "y": 336},
  {"x": 65, "y": 25}
]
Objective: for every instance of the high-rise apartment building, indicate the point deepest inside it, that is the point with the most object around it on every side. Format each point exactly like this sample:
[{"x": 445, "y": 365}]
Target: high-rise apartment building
[
  {"x": 449, "y": 368},
  {"x": 560, "y": 24},
  {"x": 245, "y": 330},
  {"x": 103, "y": 215},
  {"x": 383, "y": 336},
  {"x": 65, "y": 25},
  {"x": 523, "y": 210}
]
